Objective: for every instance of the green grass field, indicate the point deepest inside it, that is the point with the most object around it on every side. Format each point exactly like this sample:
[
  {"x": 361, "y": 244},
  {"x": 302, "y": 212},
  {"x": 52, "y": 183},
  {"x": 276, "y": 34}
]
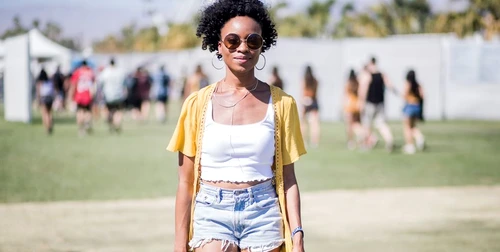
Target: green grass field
[
  {"x": 134, "y": 165},
  {"x": 35, "y": 167}
]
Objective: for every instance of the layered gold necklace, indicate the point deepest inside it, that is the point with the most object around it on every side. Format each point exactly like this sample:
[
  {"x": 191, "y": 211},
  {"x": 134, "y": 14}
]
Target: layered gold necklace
[{"x": 248, "y": 91}]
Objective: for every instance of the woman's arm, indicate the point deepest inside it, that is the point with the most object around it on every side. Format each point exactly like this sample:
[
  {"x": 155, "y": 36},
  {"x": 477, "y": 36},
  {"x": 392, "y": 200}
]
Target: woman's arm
[
  {"x": 293, "y": 205},
  {"x": 406, "y": 90},
  {"x": 37, "y": 94},
  {"x": 183, "y": 201}
]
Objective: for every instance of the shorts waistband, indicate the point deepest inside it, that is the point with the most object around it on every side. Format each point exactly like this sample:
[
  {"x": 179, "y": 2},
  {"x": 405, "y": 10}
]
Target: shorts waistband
[{"x": 264, "y": 186}]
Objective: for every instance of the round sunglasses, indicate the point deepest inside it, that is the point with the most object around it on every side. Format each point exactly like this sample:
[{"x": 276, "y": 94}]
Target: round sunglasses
[{"x": 254, "y": 41}]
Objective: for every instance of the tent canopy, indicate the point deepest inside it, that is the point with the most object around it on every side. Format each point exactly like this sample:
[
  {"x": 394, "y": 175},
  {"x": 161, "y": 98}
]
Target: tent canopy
[
  {"x": 2, "y": 49},
  {"x": 42, "y": 47}
]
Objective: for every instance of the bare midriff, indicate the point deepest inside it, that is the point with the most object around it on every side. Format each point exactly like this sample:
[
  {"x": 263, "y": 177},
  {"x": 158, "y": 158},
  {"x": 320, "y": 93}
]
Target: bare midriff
[{"x": 233, "y": 185}]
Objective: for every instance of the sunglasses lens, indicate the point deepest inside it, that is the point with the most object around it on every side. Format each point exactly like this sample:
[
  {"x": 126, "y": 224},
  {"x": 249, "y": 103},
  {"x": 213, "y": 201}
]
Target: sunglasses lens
[
  {"x": 232, "y": 41},
  {"x": 254, "y": 41}
]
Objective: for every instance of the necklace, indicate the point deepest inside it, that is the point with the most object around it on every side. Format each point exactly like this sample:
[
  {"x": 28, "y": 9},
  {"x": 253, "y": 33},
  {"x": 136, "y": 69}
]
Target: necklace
[{"x": 238, "y": 101}]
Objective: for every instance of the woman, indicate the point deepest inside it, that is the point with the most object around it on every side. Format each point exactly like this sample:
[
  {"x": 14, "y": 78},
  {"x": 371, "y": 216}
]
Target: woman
[
  {"x": 276, "y": 79},
  {"x": 196, "y": 81},
  {"x": 352, "y": 112},
  {"x": 413, "y": 95},
  {"x": 311, "y": 108},
  {"x": 45, "y": 93},
  {"x": 238, "y": 140}
]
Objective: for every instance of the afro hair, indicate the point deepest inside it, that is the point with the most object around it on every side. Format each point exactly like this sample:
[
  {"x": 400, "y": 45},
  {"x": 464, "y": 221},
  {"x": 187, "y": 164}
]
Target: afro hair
[{"x": 216, "y": 15}]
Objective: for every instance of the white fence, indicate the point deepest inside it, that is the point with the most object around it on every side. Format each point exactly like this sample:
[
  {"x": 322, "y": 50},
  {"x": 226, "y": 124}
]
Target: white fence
[{"x": 461, "y": 78}]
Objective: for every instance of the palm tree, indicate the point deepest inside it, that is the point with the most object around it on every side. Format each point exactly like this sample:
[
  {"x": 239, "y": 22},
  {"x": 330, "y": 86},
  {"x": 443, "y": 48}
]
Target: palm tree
[{"x": 480, "y": 16}]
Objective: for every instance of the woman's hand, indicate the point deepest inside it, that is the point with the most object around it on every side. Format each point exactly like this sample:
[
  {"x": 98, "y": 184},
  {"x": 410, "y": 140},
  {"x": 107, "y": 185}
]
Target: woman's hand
[
  {"x": 181, "y": 248},
  {"x": 298, "y": 243}
]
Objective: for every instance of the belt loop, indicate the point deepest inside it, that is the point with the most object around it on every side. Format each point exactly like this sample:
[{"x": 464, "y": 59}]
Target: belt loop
[
  {"x": 250, "y": 194},
  {"x": 219, "y": 195}
]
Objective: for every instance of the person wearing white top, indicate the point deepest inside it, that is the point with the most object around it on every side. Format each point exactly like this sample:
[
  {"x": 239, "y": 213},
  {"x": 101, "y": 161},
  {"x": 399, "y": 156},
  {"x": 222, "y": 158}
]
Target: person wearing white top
[
  {"x": 112, "y": 79},
  {"x": 45, "y": 93}
]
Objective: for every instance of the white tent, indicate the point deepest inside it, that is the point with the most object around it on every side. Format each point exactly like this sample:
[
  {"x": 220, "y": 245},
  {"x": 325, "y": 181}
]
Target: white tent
[
  {"x": 21, "y": 58},
  {"x": 2, "y": 55},
  {"x": 42, "y": 47},
  {"x": 2, "y": 49}
]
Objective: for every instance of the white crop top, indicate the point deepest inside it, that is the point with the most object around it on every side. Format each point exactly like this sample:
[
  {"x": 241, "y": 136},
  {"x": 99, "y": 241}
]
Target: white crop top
[{"x": 238, "y": 153}]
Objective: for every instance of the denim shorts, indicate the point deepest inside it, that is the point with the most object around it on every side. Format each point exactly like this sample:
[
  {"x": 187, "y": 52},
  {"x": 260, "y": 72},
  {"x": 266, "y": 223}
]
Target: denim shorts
[
  {"x": 248, "y": 218},
  {"x": 412, "y": 110}
]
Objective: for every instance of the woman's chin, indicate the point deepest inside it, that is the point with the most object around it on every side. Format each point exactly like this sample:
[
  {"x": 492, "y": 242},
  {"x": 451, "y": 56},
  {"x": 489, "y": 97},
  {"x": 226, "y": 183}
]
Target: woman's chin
[{"x": 242, "y": 68}]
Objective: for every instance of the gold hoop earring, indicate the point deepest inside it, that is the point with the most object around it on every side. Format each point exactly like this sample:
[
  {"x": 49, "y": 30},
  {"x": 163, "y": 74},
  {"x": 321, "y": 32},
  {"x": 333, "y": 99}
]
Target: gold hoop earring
[
  {"x": 265, "y": 61},
  {"x": 216, "y": 55}
]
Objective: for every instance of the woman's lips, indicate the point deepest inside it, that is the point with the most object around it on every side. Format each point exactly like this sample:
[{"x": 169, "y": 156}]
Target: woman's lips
[{"x": 241, "y": 59}]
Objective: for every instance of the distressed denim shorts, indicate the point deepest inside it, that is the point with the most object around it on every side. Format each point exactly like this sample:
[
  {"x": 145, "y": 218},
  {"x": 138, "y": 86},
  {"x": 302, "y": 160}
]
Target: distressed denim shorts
[{"x": 248, "y": 218}]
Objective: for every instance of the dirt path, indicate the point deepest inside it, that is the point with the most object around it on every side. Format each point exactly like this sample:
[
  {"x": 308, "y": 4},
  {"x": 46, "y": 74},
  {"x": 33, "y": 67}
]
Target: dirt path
[{"x": 345, "y": 220}]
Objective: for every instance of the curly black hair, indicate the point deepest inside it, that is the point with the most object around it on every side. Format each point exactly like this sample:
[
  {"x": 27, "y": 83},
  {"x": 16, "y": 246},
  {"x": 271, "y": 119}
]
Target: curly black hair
[{"x": 216, "y": 15}]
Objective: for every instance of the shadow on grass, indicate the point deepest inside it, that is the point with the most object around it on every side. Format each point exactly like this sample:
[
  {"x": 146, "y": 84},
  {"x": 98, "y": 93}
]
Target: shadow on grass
[{"x": 57, "y": 120}]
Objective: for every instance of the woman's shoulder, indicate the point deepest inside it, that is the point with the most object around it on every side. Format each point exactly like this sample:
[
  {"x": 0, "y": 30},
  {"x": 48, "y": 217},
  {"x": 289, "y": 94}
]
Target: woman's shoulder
[
  {"x": 281, "y": 96},
  {"x": 199, "y": 95}
]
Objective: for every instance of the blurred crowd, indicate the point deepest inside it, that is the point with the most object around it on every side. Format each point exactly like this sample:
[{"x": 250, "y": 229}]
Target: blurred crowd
[{"x": 109, "y": 92}]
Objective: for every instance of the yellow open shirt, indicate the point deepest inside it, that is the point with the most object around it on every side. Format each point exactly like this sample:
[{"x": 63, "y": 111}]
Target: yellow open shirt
[{"x": 289, "y": 145}]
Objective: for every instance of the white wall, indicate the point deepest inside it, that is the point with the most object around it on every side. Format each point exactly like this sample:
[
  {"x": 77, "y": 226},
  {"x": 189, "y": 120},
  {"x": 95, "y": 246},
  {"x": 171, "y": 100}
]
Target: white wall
[
  {"x": 472, "y": 80},
  {"x": 331, "y": 60},
  {"x": 17, "y": 80}
]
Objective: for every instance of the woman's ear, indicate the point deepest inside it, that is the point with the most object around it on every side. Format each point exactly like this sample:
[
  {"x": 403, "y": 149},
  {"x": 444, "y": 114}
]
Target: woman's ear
[{"x": 219, "y": 47}]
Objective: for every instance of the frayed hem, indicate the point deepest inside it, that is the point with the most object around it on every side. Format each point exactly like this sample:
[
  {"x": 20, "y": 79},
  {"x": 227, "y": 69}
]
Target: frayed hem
[
  {"x": 266, "y": 247},
  {"x": 202, "y": 242}
]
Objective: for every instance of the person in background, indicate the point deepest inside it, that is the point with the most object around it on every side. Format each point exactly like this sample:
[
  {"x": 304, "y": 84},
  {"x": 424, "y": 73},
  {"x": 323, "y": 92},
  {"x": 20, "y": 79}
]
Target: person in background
[
  {"x": 352, "y": 113},
  {"x": 196, "y": 81},
  {"x": 82, "y": 91},
  {"x": 310, "y": 112},
  {"x": 372, "y": 87},
  {"x": 413, "y": 96},
  {"x": 58, "y": 79},
  {"x": 141, "y": 88},
  {"x": 275, "y": 78},
  {"x": 99, "y": 104},
  {"x": 45, "y": 94},
  {"x": 162, "y": 85},
  {"x": 112, "y": 80}
]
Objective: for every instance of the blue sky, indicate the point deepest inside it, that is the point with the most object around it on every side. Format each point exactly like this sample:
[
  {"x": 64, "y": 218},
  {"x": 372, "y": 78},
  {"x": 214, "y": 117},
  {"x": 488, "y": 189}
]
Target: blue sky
[{"x": 92, "y": 19}]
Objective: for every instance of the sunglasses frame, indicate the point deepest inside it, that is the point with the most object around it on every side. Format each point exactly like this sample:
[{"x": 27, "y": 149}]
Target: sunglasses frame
[{"x": 240, "y": 40}]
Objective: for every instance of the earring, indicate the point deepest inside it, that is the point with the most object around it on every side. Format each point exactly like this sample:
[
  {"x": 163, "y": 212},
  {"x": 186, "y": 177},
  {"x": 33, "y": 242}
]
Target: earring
[
  {"x": 216, "y": 55},
  {"x": 265, "y": 61}
]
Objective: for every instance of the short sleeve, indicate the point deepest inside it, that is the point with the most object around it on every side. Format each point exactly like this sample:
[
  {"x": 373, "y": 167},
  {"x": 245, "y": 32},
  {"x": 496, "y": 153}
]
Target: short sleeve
[
  {"x": 75, "y": 76},
  {"x": 184, "y": 137},
  {"x": 291, "y": 135}
]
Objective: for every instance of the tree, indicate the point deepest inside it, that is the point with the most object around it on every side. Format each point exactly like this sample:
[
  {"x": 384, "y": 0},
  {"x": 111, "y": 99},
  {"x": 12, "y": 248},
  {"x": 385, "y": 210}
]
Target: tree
[
  {"x": 312, "y": 23},
  {"x": 480, "y": 16},
  {"x": 52, "y": 31},
  {"x": 18, "y": 28},
  {"x": 128, "y": 34}
]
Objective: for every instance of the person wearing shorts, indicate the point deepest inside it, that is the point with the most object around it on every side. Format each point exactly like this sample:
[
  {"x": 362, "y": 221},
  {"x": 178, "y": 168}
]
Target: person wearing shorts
[
  {"x": 162, "y": 85},
  {"x": 412, "y": 111},
  {"x": 45, "y": 93},
  {"x": 310, "y": 116},
  {"x": 237, "y": 141},
  {"x": 82, "y": 90},
  {"x": 112, "y": 81},
  {"x": 352, "y": 113},
  {"x": 372, "y": 101}
]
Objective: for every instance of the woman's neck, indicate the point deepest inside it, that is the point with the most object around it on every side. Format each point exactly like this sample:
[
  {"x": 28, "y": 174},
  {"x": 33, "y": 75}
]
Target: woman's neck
[{"x": 240, "y": 80}]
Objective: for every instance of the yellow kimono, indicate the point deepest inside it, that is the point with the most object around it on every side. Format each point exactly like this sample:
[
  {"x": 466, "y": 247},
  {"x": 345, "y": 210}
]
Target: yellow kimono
[{"x": 289, "y": 145}]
